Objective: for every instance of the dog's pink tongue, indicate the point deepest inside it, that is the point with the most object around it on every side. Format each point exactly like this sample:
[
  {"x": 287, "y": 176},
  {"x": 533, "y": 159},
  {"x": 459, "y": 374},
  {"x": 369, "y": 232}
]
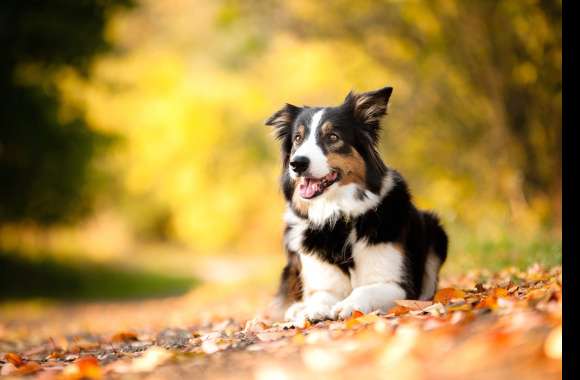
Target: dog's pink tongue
[{"x": 308, "y": 188}]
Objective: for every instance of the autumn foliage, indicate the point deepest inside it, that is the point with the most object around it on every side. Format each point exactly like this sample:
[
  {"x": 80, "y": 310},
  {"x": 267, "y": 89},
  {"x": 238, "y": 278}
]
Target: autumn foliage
[{"x": 508, "y": 325}]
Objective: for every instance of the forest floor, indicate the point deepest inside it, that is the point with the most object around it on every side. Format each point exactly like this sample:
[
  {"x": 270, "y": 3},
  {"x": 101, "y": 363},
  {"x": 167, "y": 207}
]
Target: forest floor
[{"x": 481, "y": 325}]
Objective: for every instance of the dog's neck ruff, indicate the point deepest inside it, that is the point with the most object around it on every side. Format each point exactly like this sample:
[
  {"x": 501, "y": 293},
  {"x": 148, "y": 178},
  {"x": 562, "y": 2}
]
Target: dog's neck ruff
[{"x": 338, "y": 201}]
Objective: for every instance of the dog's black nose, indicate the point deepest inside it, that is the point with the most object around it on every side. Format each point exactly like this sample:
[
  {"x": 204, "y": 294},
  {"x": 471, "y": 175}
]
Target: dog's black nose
[{"x": 299, "y": 164}]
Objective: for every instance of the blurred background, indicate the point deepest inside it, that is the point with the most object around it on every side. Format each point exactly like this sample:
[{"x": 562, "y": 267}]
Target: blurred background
[{"x": 134, "y": 160}]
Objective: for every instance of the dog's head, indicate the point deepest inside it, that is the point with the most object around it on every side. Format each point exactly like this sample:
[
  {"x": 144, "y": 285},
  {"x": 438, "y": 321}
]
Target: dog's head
[{"x": 326, "y": 149}]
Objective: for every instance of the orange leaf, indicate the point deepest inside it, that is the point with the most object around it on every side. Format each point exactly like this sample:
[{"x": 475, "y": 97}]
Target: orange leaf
[
  {"x": 414, "y": 304},
  {"x": 488, "y": 302},
  {"x": 123, "y": 337},
  {"x": 353, "y": 320},
  {"x": 86, "y": 367},
  {"x": 55, "y": 355},
  {"x": 27, "y": 369},
  {"x": 357, "y": 313},
  {"x": 499, "y": 292},
  {"x": 350, "y": 323},
  {"x": 398, "y": 310},
  {"x": 14, "y": 358},
  {"x": 464, "y": 307},
  {"x": 445, "y": 295}
]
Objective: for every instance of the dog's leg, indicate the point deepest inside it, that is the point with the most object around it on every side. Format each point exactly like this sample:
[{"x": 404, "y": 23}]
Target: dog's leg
[
  {"x": 324, "y": 285},
  {"x": 369, "y": 298},
  {"x": 290, "y": 288},
  {"x": 378, "y": 273}
]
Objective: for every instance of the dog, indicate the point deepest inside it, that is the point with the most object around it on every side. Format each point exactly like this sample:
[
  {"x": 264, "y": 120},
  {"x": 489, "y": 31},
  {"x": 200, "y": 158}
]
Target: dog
[{"x": 353, "y": 238}]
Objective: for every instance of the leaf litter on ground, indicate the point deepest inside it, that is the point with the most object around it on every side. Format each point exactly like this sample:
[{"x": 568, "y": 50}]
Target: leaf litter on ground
[{"x": 479, "y": 325}]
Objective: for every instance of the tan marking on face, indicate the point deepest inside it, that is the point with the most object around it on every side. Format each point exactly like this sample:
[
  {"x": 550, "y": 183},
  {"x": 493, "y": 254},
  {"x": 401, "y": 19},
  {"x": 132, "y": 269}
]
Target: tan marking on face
[
  {"x": 399, "y": 248},
  {"x": 352, "y": 166},
  {"x": 326, "y": 127},
  {"x": 300, "y": 130}
]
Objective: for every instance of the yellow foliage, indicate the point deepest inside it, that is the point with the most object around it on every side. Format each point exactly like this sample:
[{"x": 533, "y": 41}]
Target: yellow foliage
[{"x": 190, "y": 109}]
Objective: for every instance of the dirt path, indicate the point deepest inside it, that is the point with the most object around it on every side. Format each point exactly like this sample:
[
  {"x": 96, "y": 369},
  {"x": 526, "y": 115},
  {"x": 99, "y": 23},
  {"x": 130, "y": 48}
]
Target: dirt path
[{"x": 505, "y": 325}]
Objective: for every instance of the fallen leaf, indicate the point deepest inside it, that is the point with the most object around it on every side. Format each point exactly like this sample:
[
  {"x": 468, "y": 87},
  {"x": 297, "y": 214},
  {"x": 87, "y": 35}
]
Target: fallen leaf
[
  {"x": 369, "y": 318},
  {"x": 357, "y": 313},
  {"x": 489, "y": 302},
  {"x": 152, "y": 358},
  {"x": 23, "y": 370},
  {"x": 445, "y": 295},
  {"x": 437, "y": 309},
  {"x": 299, "y": 339},
  {"x": 55, "y": 355},
  {"x": 14, "y": 358},
  {"x": 414, "y": 304},
  {"x": 398, "y": 310},
  {"x": 499, "y": 292},
  {"x": 86, "y": 367},
  {"x": 124, "y": 337},
  {"x": 7, "y": 369},
  {"x": 270, "y": 336},
  {"x": 459, "y": 307},
  {"x": 28, "y": 369}
]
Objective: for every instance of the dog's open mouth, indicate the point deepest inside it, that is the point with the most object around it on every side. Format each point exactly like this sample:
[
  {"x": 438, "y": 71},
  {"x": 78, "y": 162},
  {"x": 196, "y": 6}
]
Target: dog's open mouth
[{"x": 310, "y": 187}]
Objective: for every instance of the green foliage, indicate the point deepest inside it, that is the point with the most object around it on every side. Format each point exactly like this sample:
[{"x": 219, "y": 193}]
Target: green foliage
[
  {"x": 45, "y": 158},
  {"x": 46, "y": 277}
]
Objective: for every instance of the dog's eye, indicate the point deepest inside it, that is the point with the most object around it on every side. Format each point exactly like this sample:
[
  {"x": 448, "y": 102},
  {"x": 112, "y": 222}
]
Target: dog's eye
[
  {"x": 333, "y": 137},
  {"x": 297, "y": 139}
]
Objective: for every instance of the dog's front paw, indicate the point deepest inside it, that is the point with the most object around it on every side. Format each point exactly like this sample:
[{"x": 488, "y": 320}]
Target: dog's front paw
[
  {"x": 294, "y": 310},
  {"x": 346, "y": 307},
  {"x": 369, "y": 298},
  {"x": 316, "y": 312},
  {"x": 300, "y": 313}
]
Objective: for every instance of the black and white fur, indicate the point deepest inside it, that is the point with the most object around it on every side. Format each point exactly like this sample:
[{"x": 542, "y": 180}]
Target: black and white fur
[{"x": 357, "y": 242}]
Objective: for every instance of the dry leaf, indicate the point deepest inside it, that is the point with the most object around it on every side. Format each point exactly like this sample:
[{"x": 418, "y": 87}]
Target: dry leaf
[
  {"x": 414, "y": 304},
  {"x": 499, "y": 292},
  {"x": 152, "y": 358},
  {"x": 368, "y": 319},
  {"x": 7, "y": 369},
  {"x": 14, "y": 358},
  {"x": 55, "y": 355},
  {"x": 27, "y": 369},
  {"x": 398, "y": 310},
  {"x": 23, "y": 370},
  {"x": 436, "y": 309},
  {"x": 487, "y": 303},
  {"x": 357, "y": 313},
  {"x": 86, "y": 367},
  {"x": 445, "y": 295},
  {"x": 270, "y": 336},
  {"x": 124, "y": 337}
]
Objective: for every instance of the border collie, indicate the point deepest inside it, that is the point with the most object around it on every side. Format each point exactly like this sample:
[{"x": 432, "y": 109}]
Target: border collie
[{"x": 353, "y": 238}]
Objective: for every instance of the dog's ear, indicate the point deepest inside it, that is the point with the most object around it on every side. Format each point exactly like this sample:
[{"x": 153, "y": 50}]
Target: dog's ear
[
  {"x": 369, "y": 107},
  {"x": 282, "y": 120}
]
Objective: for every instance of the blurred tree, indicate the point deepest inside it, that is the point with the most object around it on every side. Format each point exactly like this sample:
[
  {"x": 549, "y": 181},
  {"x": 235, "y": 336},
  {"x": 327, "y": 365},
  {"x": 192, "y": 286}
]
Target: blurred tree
[
  {"x": 45, "y": 155},
  {"x": 474, "y": 125}
]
